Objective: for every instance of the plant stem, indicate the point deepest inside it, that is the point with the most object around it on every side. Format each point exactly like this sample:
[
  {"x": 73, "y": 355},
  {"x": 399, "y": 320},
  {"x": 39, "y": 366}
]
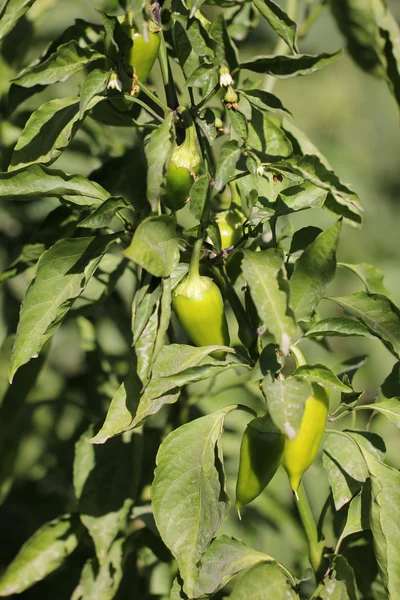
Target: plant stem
[
  {"x": 204, "y": 101},
  {"x": 310, "y": 20},
  {"x": 147, "y": 108},
  {"x": 153, "y": 97},
  {"x": 169, "y": 87},
  {"x": 315, "y": 547},
  {"x": 298, "y": 356},
  {"x": 194, "y": 272}
]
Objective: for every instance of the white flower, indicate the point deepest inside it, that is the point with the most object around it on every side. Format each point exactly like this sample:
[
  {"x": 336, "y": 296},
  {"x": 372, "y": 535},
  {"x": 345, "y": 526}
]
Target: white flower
[
  {"x": 225, "y": 78},
  {"x": 114, "y": 83},
  {"x": 260, "y": 170}
]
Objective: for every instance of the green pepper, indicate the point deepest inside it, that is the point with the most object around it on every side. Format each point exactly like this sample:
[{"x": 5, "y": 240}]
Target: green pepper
[
  {"x": 301, "y": 452},
  {"x": 199, "y": 306},
  {"x": 230, "y": 225},
  {"x": 182, "y": 169},
  {"x": 261, "y": 453},
  {"x": 135, "y": 62}
]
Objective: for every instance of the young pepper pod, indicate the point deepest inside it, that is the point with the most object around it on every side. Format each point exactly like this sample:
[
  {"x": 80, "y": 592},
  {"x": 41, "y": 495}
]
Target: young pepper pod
[
  {"x": 136, "y": 62},
  {"x": 230, "y": 225},
  {"x": 182, "y": 170},
  {"x": 300, "y": 453},
  {"x": 199, "y": 306},
  {"x": 261, "y": 454}
]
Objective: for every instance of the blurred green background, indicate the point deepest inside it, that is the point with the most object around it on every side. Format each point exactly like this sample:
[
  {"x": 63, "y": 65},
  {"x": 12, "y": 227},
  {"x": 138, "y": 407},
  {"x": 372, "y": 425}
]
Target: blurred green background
[{"x": 354, "y": 121}]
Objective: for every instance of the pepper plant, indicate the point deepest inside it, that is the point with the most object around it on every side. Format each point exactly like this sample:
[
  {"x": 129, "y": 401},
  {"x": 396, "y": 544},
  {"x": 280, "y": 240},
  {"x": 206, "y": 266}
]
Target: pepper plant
[{"x": 168, "y": 305}]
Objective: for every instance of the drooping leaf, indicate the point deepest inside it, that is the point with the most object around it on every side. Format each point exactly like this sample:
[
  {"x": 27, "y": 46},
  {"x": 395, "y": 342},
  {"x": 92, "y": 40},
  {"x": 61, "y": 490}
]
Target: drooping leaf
[
  {"x": 176, "y": 365},
  {"x": 265, "y": 580},
  {"x": 264, "y": 101},
  {"x": 322, "y": 375},
  {"x": 385, "y": 520},
  {"x": 371, "y": 277},
  {"x": 10, "y": 14},
  {"x": 313, "y": 271},
  {"x": 62, "y": 274},
  {"x": 155, "y": 246},
  {"x": 42, "y": 554},
  {"x": 157, "y": 151},
  {"x": 228, "y": 157},
  {"x": 289, "y": 66},
  {"x": 378, "y": 314},
  {"x": 68, "y": 59},
  {"x": 286, "y": 399},
  {"x": 223, "y": 559},
  {"x": 280, "y": 22},
  {"x": 265, "y": 273},
  {"x": 339, "y": 326},
  {"x": 37, "y": 181},
  {"x": 105, "y": 482},
  {"x": 103, "y": 214},
  {"x": 48, "y": 131},
  {"x": 188, "y": 493}
]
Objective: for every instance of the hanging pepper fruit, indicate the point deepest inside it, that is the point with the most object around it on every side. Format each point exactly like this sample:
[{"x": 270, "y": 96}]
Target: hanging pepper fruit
[
  {"x": 183, "y": 168},
  {"x": 300, "y": 453},
  {"x": 230, "y": 225},
  {"x": 137, "y": 59},
  {"x": 199, "y": 306},
  {"x": 261, "y": 453}
]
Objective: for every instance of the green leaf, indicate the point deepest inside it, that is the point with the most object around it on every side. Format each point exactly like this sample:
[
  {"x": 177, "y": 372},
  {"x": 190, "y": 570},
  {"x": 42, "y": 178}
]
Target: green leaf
[
  {"x": 199, "y": 197},
  {"x": 357, "y": 515},
  {"x": 345, "y": 573},
  {"x": 42, "y": 554},
  {"x": 371, "y": 277},
  {"x": 48, "y": 131},
  {"x": 266, "y": 137},
  {"x": 238, "y": 122},
  {"x": 322, "y": 375},
  {"x": 280, "y": 22},
  {"x": 341, "y": 200},
  {"x": 286, "y": 399},
  {"x": 94, "y": 84},
  {"x": 10, "y": 14},
  {"x": 223, "y": 559},
  {"x": 388, "y": 400},
  {"x": 313, "y": 271},
  {"x": 338, "y": 326},
  {"x": 188, "y": 494},
  {"x": 205, "y": 76},
  {"x": 155, "y": 246},
  {"x": 390, "y": 408},
  {"x": 301, "y": 196},
  {"x": 63, "y": 272},
  {"x": 265, "y": 273},
  {"x": 345, "y": 467},
  {"x": 207, "y": 125},
  {"x": 176, "y": 365},
  {"x": 264, "y": 101},
  {"x": 334, "y": 590},
  {"x": 184, "y": 47},
  {"x": 103, "y": 584},
  {"x": 289, "y": 66},
  {"x": 225, "y": 50},
  {"x": 68, "y": 59},
  {"x": 265, "y": 580},
  {"x": 385, "y": 520},
  {"x": 158, "y": 150},
  {"x": 228, "y": 157},
  {"x": 378, "y": 314},
  {"x": 105, "y": 481},
  {"x": 103, "y": 214},
  {"x": 37, "y": 181}
]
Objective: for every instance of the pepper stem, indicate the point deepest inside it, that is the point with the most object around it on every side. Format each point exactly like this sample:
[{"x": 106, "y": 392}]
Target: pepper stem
[
  {"x": 298, "y": 356},
  {"x": 315, "y": 548},
  {"x": 194, "y": 272},
  {"x": 190, "y": 130}
]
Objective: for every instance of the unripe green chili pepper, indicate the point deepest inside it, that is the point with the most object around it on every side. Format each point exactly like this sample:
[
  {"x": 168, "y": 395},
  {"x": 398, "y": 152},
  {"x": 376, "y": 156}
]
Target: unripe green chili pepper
[
  {"x": 230, "y": 225},
  {"x": 300, "y": 453},
  {"x": 137, "y": 61},
  {"x": 261, "y": 453},
  {"x": 199, "y": 306},
  {"x": 182, "y": 169}
]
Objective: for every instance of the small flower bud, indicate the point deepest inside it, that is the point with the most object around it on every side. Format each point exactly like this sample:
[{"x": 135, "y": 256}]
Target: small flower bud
[
  {"x": 231, "y": 98},
  {"x": 114, "y": 83},
  {"x": 225, "y": 78}
]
